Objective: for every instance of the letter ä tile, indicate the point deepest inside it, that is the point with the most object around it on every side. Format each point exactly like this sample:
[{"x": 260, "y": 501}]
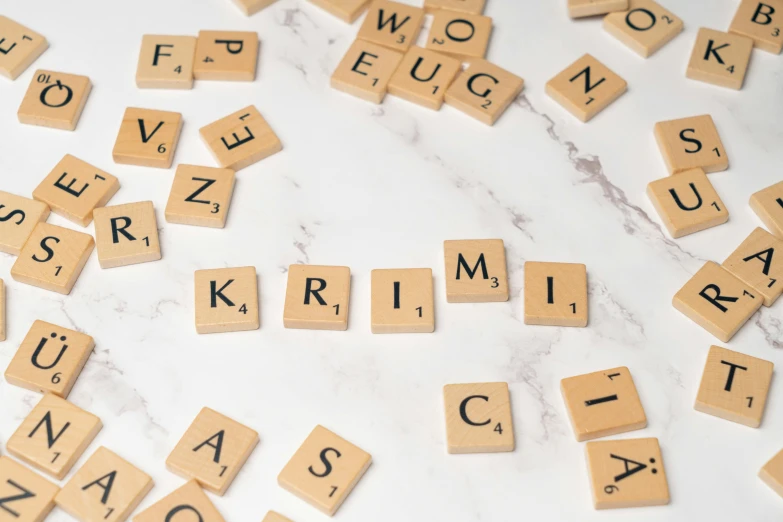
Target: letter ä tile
[
  {"x": 200, "y": 196},
  {"x": 484, "y": 91},
  {"x": 226, "y": 300},
  {"x": 645, "y": 27},
  {"x": 54, "y": 99},
  {"x": 18, "y": 218},
  {"x": 189, "y": 500},
  {"x": 392, "y": 24},
  {"x": 240, "y": 139},
  {"x": 478, "y": 418},
  {"x": 21, "y": 46},
  {"x": 366, "y": 70},
  {"x": 26, "y": 496},
  {"x": 147, "y": 138},
  {"x": 768, "y": 206},
  {"x": 762, "y": 22},
  {"x": 690, "y": 143},
  {"x": 317, "y": 297},
  {"x": 556, "y": 294},
  {"x": 758, "y": 262},
  {"x": 127, "y": 234},
  {"x": 720, "y": 58},
  {"x": 475, "y": 271}
]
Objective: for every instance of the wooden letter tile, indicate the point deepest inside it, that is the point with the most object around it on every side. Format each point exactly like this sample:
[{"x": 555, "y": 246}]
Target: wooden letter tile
[
  {"x": 734, "y": 386},
  {"x": 212, "y": 451},
  {"x": 461, "y": 6},
  {"x": 758, "y": 262},
  {"x": 240, "y": 139},
  {"x": 226, "y": 55},
  {"x": 324, "y": 470},
  {"x": 690, "y": 143},
  {"x": 200, "y": 196},
  {"x": 251, "y": 7},
  {"x": 74, "y": 188},
  {"x": 645, "y": 27},
  {"x": 423, "y": 77},
  {"x": 762, "y": 22},
  {"x": 627, "y": 473},
  {"x": 2, "y": 311},
  {"x": 604, "y": 403},
  {"x": 346, "y": 10},
  {"x": 19, "y": 47},
  {"x": 18, "y": 217},
  {"x": 402, "y": 301},
  {"x": 586, "y": 87},
  {"x": 147, "y": 138},
  {"x": 766, "y": 203},
  {"x": 555, "y": 294},
  {"x": 49, "y": 359},
  {"x": 460, "y": 34},
  {"x": 54, "y": 435},
  {"x": 475, "y": 271},
  {"x": 317, "y": 297},
  {"x": 720, "y": 58},
  {"x": 687, "y": 203},
  {"x": 478, "y": 418},
  {"x": 53, "y": 258},
  {"x": 54, "y": 100},
  {"x": 127, "y": 234},
  {"x": 365, "y": 71},
  {"x": 772, "y": 473},
  {"x": 582, "y": 8},
  {"x": 226, "y": 300},
  {"x": 189, "y": 500},
  {"x": 26, "y": 496},
  {"x": 484, "y": 91},
  {"x": 717, "y": 301},
  {"x": 166, "y": 62},
  {"x": 272, "y": 516},
  {"x": 106, "y": 488},
  {"x": 392, "y": 24}
]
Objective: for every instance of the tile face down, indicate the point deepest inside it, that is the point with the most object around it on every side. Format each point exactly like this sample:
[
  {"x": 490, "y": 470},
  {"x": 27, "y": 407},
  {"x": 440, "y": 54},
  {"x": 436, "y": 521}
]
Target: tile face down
[
  {"x": 18, "y": 218},
  {"x": 54, "y": 99},
  {"x": 645, "y": 27},
  {"x": 21, "y": 47},
  {"x": 478, "y": 418},
  {"x": 475, "y": 271}
]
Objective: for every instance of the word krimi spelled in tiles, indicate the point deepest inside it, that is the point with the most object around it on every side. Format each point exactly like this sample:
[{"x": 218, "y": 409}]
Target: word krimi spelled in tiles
[
  {"x": 324, "y": 470},
  {"x": 212, "y": 451},
  {"x": 147, "y": 138},
  {"x": 317, "y": 297},
  {"x": 240, "y": 139},
  {"x": 250, "y": 7},
  {"x": 2, "y": 311},
  {"x": 49, "y": 359},
  {"x": 189, "y": 498},
  {"x": 53, "y": 258},
  {"x": 717, "y": 301},
  {"x": 645, "y": 27},
  {"x": 463, "y": 6},
  {"x": 768, "y": 206},
  {"x": 478, "y": 418},
  {"x": 18, "y": 218},
  {"x": 365, "y": 71},
  {"x": 460, "y": 34},
  {"x": 106, "y": 488},
  {"x": 423, "y": 77},
  {"x": 226, "y": 55},
  {"x": 74, "y": 189},
  {"x": 734, "y": 386},
  {"x": 26, "y": 496},
  {"x": 603, "y": 403},
  {"x": 226, "y": 300},
  {"x": 346, "y": 10},
  {"x": 720, "y": 58},
  {"x": 582, "y": 8},
  {"x": 586, "y": 87},
  {"x": 758, "y": 262},
  {"x": 271, "y": 516},
  {"x": 392, "y": 24},
  {"x": 772, "y": 473},
  {"x": 402, "y": 301},
  {"x": 127, "y": 234},
  {"x": 475, "y": 271},
  {"x": 200, "y": 196},
  {"x": 166, "y": 62},
  {"x": 627, "y": 473},
  {"x": 484, "y": 91},
  {"x": 555, "y": 294},
  {"x": 54, "y": 100},
  {"x": 760, "y": 21},
  {"x": 54, "y": 435},
  {"x": 690, "y": 143},
  {"x": 19, "y": 47},
  {"x": 687, "y": 203}
]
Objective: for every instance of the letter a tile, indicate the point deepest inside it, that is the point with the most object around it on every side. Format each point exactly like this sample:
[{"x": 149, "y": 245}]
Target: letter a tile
[
  {"x": 317, "y": 297},
  {"x": 127, "y": 234},
  {"x": 423, "y": 77},
  {"x": 365, "y": 71},
  {"x": 586, "y": 87},
  {"x": 762, "y": 22},
  {"x": 54, "y": 100},
  {"x": 200, "y": 196},
  {"x": 645, "y": 27},
  {"x": 226, "y": 300},
  {"x": 402, "y": 301},
  {"x": 772, "y": 473},
  {"x": 20, "y": 47},
  {"x": 720, "y": 58},
  {"x": 555, "y": 294},
  {"x": 478, "y": 418},
  {"x": 147, "y": 138},
  {"x": 240, "y": 139},
  {"x": 18, "y": 218},
  {"x": 582, "y": 8},
  {"x": 25, "y": 496},
  {"x": 690, "y": 143},
  {"x": 758, "y": 262},
  {"x": 166, "y": 62},
  {"x": 189, "y": 500},
  {"x": 226, "y": 55},
  {"x": 392, "y": 24},
  {"x": 475, "y": 271},
  {"x": 324, "y": 470},
  {"x": 768, "y": 206},
  {"x": 484, "y": 91}
]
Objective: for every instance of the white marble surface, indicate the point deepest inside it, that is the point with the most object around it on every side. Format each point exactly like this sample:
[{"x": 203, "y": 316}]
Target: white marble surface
[{"x": 382, "y": 186}]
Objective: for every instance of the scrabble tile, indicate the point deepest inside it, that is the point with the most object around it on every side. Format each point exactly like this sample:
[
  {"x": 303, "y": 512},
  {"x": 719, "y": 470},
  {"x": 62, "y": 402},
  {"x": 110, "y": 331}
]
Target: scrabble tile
[
  {"x": 691, "y": 143},
  {"x": 49, "y": 359},
  {"x": 761, "y": 22},
  {"x": 626, "y": 473},
  {"x": 212, "y": 451},
  {"x": 720, "y": 58},
  {"x": 19, "y": 46},
  {"x": 200, "y": 196},
  {"x": 54, "y": 99},
  {"x": 402, "y": 301},
  {"x": 324, "y": 470},
  {"x": 423, "y": 77},
  {"x": 766, "y": 203},
  {"x": 687, "y": 203},
  {"x": 226, "y": 300},
  {"x": 240, "y": 139},
  {"x": 189, "y": 500},
  {"x": 758, "y": 262},
  {"x": 26, "y": 496},
  {"x": 586, "y": 87},
  {"x": 475, "y": 271},
  {"x": 462, "y": 6},
  {"x": 226, "y": 55},
  {"x": 604, "y": 403},
  {"x": 250, "y": 7},
  {"x": 53, "y": 436},
  {"x": 484, "y": 91},
  {"x": 271, "y": 516},
  {"x": 555, "y": 294},
  {"x": 147, "y": 138},
  {"x": 18, "y": 217},
  {"x": 107, "y": 488},
  {"x": 772, "y": 473},
  {"x": 461, "y": 35},
  {"x": 346, "y": 10},
  {"x": 717, "y": 301},
  {"x": 166, "y": 62},
  {"x": 74, "y": 188},
  {"x": 127, "y": 234},
  {"x": 582, "y": 8},
  {"x": 365, "y": 71},
  {"x": 478, "y": 418},
  {"x": 53, "y": 258},
  {"x": 317, "y": 297},
  {"x": 392, "y": 24},
  {"x": 645, "y": 27},
  {"x": 734, "y": 386},
  {"x": 2, "y": 311}
]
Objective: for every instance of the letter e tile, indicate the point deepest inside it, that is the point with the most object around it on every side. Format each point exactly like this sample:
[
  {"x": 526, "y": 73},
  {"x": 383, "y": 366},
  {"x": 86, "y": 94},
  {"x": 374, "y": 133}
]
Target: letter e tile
[
  {"x": 21, "y": 47},
  {"x": 365, "y": 71}
]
